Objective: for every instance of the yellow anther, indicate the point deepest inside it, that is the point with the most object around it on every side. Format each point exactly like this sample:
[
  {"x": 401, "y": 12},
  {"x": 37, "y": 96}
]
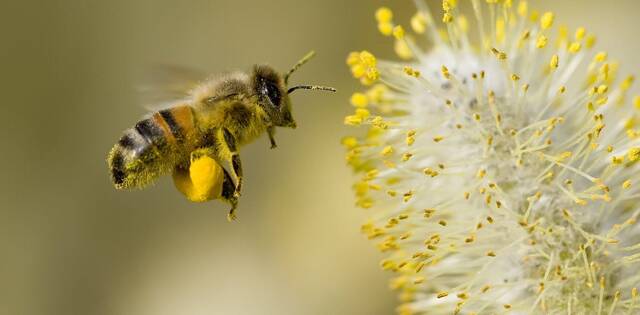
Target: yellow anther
[
  {"x": 438, "y": 138},
  {"x": 601, "y": 56},
  {"x": 602, "y": 89},
  {"x": 541, "y": 42},
  {"x": 447, "y": 18},
  {"x": 580, "y": 33},
  {"x": 563, "y": 156},
  {"x": 406, "y": 157},
  {"x": 590, "y": 41},
  {"x": 499, "y": 54},
  {"x": 555, "y": 60},
  {"x": 359, "y": 100},
  {"x": 636, "y": 102},
  {"x": 634, "y": 154},
  {"x": 352, "y": 120},
  {"x": 445, "y": 72},
  {"x": 418, "y": 23},
  {"x": 515, "y": 77},
  {"x": 481, "y": 173},
  {"x": 368, "y": 58},
  {"x": 485, "y": 288},
  {"x": 626, "y": 184},
  {"x": 491, "y": 254},
  {"x": 442, "y": 294},
  {"x": 349, "y": 142},
  {"x": 575, "y": 47},
  {"x": 388, "y": 150},
  {"x": 384, "y": 14},
  {"x": 402, "y": 49},
  {"x": 398, "y": 32},
  {"x": 442, "y": 222},
  {"x": 362, "y": 113},
  {"x": 546, "y": 21},
  {"x": 463, "y": 23},
  {"x": 500, "y": 30},
  {"x": 411, "y": 72},
  {"x": 353, "y": 58},
  {"x": 448, "y": 5},
  {"x": 385, "y": 28},
  {"x": 430, "y": 172},
  {"x": 507, "y": 306}
]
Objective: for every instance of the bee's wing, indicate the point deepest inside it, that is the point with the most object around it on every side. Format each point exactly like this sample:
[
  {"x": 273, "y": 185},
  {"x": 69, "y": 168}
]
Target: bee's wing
[{"x": 164, "y": 85}]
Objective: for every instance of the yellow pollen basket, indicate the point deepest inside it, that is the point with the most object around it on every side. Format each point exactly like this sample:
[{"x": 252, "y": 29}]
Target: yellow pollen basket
[{"x": 203, "y": 181}]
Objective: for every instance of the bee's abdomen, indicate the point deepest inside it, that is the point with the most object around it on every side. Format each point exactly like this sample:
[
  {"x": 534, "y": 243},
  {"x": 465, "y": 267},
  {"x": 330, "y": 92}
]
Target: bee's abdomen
[{"x": 151, "y": 148}]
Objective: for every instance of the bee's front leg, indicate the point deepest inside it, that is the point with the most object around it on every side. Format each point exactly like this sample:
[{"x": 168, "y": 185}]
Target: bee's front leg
[{"x": 271, "y": 130}]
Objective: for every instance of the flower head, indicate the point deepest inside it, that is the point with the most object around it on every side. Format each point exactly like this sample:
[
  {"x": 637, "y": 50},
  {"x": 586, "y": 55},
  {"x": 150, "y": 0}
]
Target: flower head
[{"x": 500, "y": 172}]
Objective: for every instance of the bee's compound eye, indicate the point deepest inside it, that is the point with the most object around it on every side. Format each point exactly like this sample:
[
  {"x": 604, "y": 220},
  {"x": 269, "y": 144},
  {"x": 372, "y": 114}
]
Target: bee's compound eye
[{"x": 272, "y": 92}]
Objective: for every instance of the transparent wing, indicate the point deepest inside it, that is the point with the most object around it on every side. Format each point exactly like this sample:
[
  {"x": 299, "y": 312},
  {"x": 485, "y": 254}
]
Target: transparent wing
[{"x": 164, "y": 85}]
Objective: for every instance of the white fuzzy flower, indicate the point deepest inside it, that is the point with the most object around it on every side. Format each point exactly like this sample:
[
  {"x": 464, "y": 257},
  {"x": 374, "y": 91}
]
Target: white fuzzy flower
[{"x": 502, "y": 174}]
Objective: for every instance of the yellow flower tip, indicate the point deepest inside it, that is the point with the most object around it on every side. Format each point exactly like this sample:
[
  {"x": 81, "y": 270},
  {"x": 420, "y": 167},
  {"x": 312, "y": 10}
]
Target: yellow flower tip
[
  {"x": 384, "y": 15},
  {"x": 523, "y": 7},
  {"x": 546, "y": 21},
  {"x": 555, "y": 61},
  {"x": 418, "y": 23},
  {"x": 201, "y": 183},
  {"x": 398, "y": 32},
  {"x": 541, "y": 42},
  {"x": 402, "y": 49},
  {"x": 575, "y": 47},
  {"x": 359, "y": 100}
]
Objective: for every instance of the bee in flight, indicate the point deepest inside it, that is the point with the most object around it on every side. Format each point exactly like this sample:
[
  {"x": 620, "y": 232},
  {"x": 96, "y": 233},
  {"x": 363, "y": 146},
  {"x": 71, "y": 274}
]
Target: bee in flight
[{"x": 197, "y": 138}]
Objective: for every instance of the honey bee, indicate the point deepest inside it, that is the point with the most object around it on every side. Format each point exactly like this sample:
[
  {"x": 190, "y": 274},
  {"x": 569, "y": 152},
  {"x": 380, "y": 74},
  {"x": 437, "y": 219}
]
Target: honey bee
[{"x": 216, "y": 118}]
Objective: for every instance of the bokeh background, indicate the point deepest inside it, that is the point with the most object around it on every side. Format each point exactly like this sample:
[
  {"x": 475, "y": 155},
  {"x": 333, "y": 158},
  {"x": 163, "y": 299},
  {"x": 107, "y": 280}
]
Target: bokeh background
[{"x": 71, "y": 244}]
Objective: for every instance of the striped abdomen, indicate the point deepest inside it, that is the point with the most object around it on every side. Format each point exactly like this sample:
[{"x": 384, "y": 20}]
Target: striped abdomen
[{"x": 152, "y": 147}]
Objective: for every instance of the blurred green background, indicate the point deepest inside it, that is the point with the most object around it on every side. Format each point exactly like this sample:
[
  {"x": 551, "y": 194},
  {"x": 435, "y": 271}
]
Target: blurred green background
[{"x": 71, "y": 244}]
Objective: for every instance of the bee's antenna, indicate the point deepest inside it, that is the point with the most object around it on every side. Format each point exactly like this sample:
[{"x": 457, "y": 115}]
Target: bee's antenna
[
  {"x": 311, "y": 87},
  {"x": 302, "y": 61}
]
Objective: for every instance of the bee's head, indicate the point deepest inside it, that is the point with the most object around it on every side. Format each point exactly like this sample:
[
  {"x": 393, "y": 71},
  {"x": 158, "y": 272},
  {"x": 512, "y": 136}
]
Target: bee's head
[{"x": 273, "y": 92}]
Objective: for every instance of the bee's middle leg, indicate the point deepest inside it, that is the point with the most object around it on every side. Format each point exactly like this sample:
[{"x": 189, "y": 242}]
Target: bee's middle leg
[{"x": 229, "y": 142}]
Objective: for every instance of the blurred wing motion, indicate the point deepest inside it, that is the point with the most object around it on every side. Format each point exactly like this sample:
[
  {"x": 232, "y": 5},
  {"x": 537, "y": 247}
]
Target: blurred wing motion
[{"x": 163, "y": 85}]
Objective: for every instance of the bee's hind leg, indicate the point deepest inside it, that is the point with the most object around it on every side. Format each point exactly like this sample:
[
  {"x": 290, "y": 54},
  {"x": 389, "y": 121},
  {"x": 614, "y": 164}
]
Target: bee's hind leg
[{"x": 229, "y": 196}]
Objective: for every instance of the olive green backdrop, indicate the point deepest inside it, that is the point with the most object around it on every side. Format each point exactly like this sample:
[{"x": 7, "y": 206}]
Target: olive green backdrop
[{"x": 71, "y": 244}]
